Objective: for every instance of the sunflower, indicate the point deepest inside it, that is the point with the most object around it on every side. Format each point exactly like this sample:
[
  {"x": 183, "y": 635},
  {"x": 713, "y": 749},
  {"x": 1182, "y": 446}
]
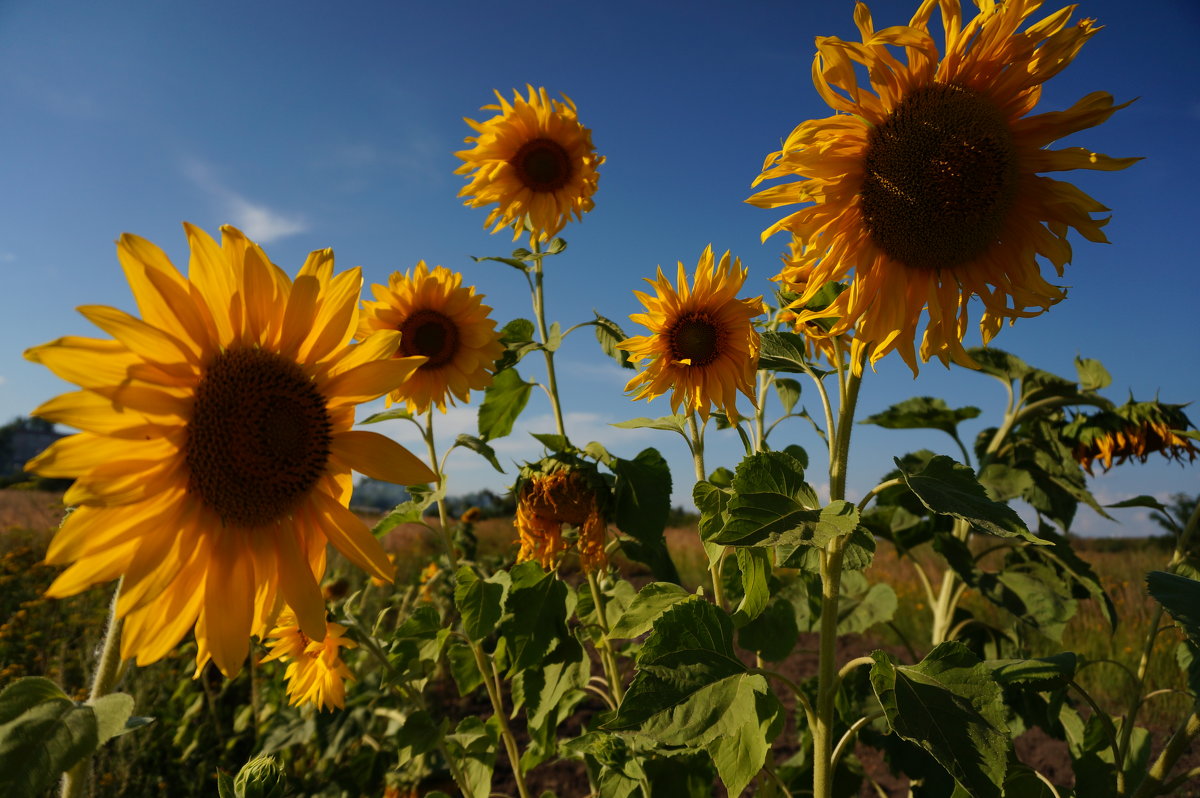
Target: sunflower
[
  {"x": 817, "y": 340},
  {"x": 440, "y": 319},
  {"x": 534, "y": 160},
  {"x": 928, "y": 189},
  {"x": 1135, "y": 430},
  {"x": 214, "y": 462},
  {"x": 559, "y": 491},
  {"x": 703, "y": 346},
  {"x": 315, "y": 672}
]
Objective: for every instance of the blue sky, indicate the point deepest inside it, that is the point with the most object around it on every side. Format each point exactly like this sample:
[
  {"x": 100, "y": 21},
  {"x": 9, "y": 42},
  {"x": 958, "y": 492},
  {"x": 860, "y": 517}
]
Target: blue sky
[{"x": 311, "y": 124}]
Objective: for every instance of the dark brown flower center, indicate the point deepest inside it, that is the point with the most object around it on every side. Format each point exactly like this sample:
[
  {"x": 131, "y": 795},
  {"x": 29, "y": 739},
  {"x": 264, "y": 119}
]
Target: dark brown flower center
[
  {"x": 697, "y": 338},
  {"x": 259, "y": 437},
  {"x": 542, "y": 165},
  {"x": 431, "y": 334},
  {"x": 941, "y": 174}
]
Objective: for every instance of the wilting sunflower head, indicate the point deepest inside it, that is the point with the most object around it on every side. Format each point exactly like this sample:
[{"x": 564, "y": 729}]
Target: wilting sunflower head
[
  {"x": 315, "y": 672},
  {"x": 562, "y": 491},
  {"x": 702, "y": 346},
  {"x": 1134, "y": 430},
  {"x": 214, "y": 462},
  {"x": 925, "y": 186},
  {"x": 443, "y": 321},
  {"x": 534, "y": 161}
]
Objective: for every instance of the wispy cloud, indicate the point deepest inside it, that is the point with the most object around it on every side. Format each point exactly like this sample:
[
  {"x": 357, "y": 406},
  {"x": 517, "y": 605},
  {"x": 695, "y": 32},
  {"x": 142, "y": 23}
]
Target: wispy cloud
[{"x": 256, "y": 220}]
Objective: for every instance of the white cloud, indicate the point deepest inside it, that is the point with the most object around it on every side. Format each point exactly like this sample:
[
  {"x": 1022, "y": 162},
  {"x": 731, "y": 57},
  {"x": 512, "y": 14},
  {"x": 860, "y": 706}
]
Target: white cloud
[
  {"x": 7, "y": 257},
  {"x": 259, "y": 222}
]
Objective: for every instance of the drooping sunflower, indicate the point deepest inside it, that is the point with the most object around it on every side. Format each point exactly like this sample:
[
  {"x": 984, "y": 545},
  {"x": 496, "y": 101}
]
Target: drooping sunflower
[
  {"x": 216, "y": 448},
  {"x": 1134, "y": 430},
  {"x": 562, "y": 490},
  {"x": 534, "y": 160},
  {"x": 315, "y": 671},
  {"x": 926, "y": 186},
  {"x": 442, "y": 320},
  {"x": 703, "y": 346}
]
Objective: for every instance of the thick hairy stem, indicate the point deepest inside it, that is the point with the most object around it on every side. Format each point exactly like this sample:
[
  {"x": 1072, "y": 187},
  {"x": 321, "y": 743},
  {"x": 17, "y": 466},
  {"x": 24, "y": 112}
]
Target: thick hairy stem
[{"x": 103, "y": 682}]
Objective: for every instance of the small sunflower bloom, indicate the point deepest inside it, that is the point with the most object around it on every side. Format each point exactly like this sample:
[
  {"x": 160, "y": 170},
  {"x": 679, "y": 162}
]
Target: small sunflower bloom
[
  {"x": 315, "y": 672},
  {"x": 534, "y": 161},
  {"x": 703, "y": 347},
  {"x": 819, "y": 343},
  {"x": 1135, "y": 430},
  {"x": 554, "y": 493},
  {"x": 215, "y": 458},
  {"x": 925, "y": 186},
  {"x": 443, "y": 321}
]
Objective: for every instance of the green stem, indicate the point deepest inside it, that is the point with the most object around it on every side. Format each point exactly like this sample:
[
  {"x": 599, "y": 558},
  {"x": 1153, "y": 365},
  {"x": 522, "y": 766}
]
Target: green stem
[
  {"x": 831, "y": 577},
  {"x": 1175, "y": 748},
  {"x": 491, "y": 680},
  {"x": 539, "y": 312},
  {"x": 697, "y": 444},
  {"x": 607, "y": 657},
  {"x": 103, "y": 682}
]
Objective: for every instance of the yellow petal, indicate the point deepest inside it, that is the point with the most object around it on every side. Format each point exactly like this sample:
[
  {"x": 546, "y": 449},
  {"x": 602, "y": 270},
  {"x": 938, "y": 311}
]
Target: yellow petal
[
  {"x": 350, "y": 536},
  {"x": 369, "y": 381},
  {"x": 378, "y": 457},
  {"x": 228, "y": 604}
]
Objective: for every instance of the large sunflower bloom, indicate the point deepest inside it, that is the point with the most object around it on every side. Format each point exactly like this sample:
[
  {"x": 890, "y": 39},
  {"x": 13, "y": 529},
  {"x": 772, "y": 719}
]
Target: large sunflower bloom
[
  {"x": 442, "y": 320},
  {"x": 927, "y": 189},
  {"x": 315, "y": 671},
  {"x": 703, "y": 346},
  {"x": 534, "y": 160},
  {"x": 214, "y": 462}
]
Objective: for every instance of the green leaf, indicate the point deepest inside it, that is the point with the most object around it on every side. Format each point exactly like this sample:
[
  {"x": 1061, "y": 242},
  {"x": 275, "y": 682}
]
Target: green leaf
[
  {"x": 514, "y": 262},
  {"x": 479, "y": 447},
  {"x": 651, "y": 601},
  {"x": 690, "y": 648},
  {"x": 609, "y": 334},
  {"x": 43, "y": 733},
  {"x": 789, "y": 393},
  {"x": 999, "y": 364},
  {"x": 755, "y": 565},
  {"x": 536, "y": 615},
  {"x": 555, "y": 443},
  {"x": 463, "y": 667},
  {"x": 420, "y": 734},
  {"x": 409, "y": 512},
  {"x": 553, "y": 337},
  {"x": 740, "y": 754},
  {"x": 113, "y": 712},
  {"x": 922, "y": 412},
  {"x": 1044, "y": 673},
  {"x": 225, "y": 785},
  {"x": 481, "y": 603},
  {"x": 1180, "y": 596},
  {"x": 642, "y": 495},
  {"x": 676, "y": 423},
  {"x": 517, "y": 337},
  {"x": 597, "y": 452},
  {"x": 387, "y": 415},
  {"x": 783, "y": 351},
  {"x": 863, "y": 605},
  {"x": 1034, "y": 593},
  {"x": 772, "y": 635},
  {"x": 503, "y": 401},
  {"x": 1004, "y": 483},
  {"x": 949, "y": 705},
  {"x": 473, "y": 745},
  {"x": 565, "y": 670},
  {"x": 949, "y": 488},
  {"x": 1092, "y": 375},
  {"x": 1141, "y": 501},
  {"x": 770, "y": 499}
]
